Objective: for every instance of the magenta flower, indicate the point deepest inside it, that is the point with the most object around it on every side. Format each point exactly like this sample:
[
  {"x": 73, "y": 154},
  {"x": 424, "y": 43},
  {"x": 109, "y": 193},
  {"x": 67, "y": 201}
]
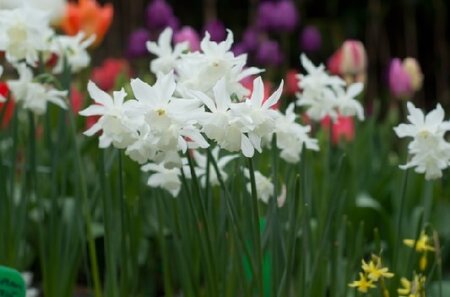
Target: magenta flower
[
  {"x": 217, "y": 30},
  {"x": 159, "y": 15},
  {"x": 399, "y": 80},
  {"x": 136, "y": 43},
  {"x": 310, "y": 39},
  {"x": 189, "y": 35}
]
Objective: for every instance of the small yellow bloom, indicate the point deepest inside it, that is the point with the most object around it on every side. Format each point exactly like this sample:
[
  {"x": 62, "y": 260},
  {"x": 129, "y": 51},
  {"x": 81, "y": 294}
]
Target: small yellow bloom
[
  {"x": 414, "y": 288},
  {"x": 375, "y": 270},
  {"x": 422, "y": 244},
  {"x": 363, "y": 284}
]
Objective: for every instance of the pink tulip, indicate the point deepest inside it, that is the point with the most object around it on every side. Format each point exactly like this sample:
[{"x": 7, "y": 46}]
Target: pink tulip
[
  {"x": 405, "y": 77},
  {"x": 349, "y": 61}
]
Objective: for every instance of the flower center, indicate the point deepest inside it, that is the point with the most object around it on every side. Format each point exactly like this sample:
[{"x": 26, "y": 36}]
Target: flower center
[
  {"x": 424, "y": 134},
  {"x": 18, "y": 32},
  {"x": 161, "y": 112}
]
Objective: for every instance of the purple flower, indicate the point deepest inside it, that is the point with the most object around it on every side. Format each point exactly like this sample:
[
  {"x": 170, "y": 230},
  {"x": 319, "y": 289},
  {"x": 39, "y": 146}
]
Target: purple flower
[
  {"x": 159, "y": 14},
  {"x": 399, "y": 80},
  {"x": 264, "y": 15},
  {"x": 250, "y": 38},
  {"x": 190, "y": 35},
  {"x": 239, "y": 49},
  {"x": 285, "y": 17},
  {"x": 269, "y": 53},
  {"x": 279, "y": 16},
  {"x": 216, "y": 29},
  {"x": 310, "y": 39},
  {"x": 136, "y": 43}
]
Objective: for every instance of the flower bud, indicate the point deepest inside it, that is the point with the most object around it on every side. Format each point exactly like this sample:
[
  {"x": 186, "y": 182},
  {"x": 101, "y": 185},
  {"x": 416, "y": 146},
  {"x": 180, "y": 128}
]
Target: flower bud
[
  {"x": 349, "y": 59},
  {"x": 412, "y": 67},
  {"x": 405, "y": 77}
]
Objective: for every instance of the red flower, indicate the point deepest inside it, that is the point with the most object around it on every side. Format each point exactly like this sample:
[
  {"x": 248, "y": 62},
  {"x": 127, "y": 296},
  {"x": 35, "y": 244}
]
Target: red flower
[
  {"x": 6, "y": 108},
  {"x": 106, "y": 75},
  {"x": 342, "y": 128},
  {"x": 76, "y": 99},
  {"x": 292, "y": 82}
]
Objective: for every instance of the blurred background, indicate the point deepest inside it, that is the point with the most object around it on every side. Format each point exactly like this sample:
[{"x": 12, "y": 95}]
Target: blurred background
[{"x": 388, "y": 29}]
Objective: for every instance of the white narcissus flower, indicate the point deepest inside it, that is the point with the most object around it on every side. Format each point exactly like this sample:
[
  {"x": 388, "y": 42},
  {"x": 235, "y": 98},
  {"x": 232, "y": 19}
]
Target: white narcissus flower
[
  {"x": 117, "y": 127},
  {"x": 291, "y": 136},
  {"x": 166, "y": 56},
  {"x": 264, "y": 187},
  {"x": 32, "y": 95},
  {"x": 172, "y": 121},
  {"x": 24, "y": 32},
  {"x": 430, "y": 153},
  {"x": 55, "y": 8},
  {"x": 318, "y": 90},
  {"x": 256, "y": 117},
  {"x": 201, "y": 71},
  {"x": 346, "y": 102},
  {"x": 166, "y": 178},
  {"x": 201, "y": 168},
  {"x": 72, "y": 48}
]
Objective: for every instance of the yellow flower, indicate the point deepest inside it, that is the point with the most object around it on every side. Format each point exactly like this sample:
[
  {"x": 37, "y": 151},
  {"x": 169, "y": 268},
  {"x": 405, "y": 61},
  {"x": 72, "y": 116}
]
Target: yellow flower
[
  {"x": 414, "y": 288},
  {"x": 363, "y": 284},
  {"x": 375, "y": 270},
  {"x": 422, "y": 244}
]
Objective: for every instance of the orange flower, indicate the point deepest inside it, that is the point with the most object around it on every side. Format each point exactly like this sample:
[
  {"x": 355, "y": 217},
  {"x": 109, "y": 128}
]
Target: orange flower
[{"x": 87, "y": 16}]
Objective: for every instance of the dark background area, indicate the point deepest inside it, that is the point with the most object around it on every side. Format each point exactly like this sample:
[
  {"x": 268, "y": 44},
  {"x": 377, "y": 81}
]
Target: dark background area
[{"x": 416, "y": 28}]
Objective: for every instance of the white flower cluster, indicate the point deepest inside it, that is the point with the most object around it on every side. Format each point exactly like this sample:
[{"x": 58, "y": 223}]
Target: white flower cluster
[
  {"x": 27, "y": 40},
  {"x": 201, "y": 70},
  {"x": 25, "y": 33},
  {"x": 182, "y": 111},
  {"x": 32, "y": 95},
  {"x": 326, "y": 95},
  {"x": 429, "y": 151}
]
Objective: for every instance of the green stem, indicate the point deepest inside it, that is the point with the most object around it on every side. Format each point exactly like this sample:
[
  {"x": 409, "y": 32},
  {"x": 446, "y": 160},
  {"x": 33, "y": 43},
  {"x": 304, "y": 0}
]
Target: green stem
[
  {"x": 400, "y": 219},
  {"x": 257, "y": 233},
  {"x": 231, "y": 208},
  {"x": 84, "y": 196}
]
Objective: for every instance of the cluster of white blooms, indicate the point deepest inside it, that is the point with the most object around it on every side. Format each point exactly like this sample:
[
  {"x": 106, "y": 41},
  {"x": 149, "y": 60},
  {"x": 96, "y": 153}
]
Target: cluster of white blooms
[
  {"x": 74, "y": 49},
  {"x": 32, "y": 95},
  {"x": 291, "y": 136},
  {"x": 197, "y": 100},
  {"x": 326, "y": 95},
  {"x": 429, "y": 151},
  {"x": 201, "y": 70},
  {"x": 28, "y": 40}
]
